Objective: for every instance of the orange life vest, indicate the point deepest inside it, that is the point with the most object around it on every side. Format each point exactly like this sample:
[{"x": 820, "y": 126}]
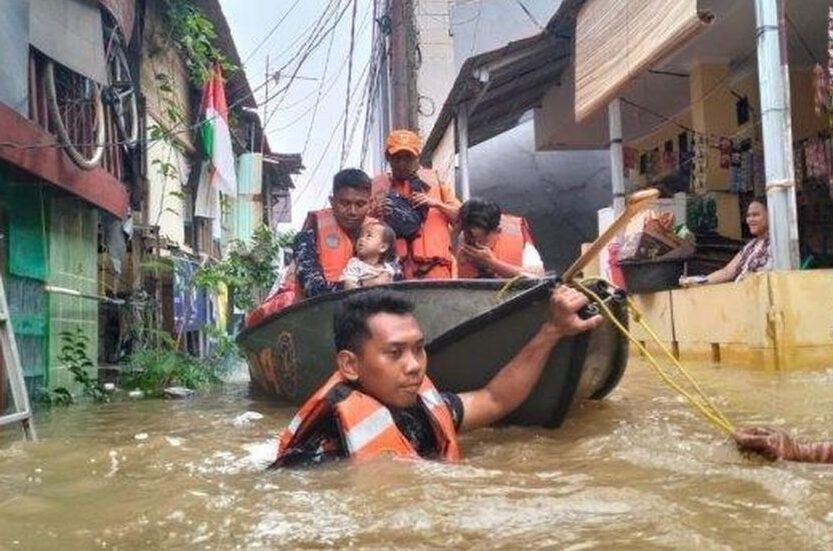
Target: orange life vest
[
  {"x": 366, "y": 427},
  {"x": 334, "y": 246},
  {"x": 508, "y": 246},
  {"x": 432, "y": 245}
]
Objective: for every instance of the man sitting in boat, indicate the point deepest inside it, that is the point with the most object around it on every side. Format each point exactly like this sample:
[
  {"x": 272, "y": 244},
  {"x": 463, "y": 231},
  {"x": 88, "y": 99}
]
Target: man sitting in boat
[
  {"x": 379, "y": 400},
  {"x": 420, "y": 209},
  {"x": 326, "y": 243},
  {"x": 495, "y": 245}
]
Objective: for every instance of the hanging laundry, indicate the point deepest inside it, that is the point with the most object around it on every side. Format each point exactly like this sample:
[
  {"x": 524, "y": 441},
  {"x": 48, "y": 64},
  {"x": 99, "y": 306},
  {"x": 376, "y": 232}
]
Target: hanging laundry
[
  {"x": 821, "y": 90},
  {"x": 701, "y": 159},
  {"x": 830, "y": 58},
  {"x": 725, "y": 147}
]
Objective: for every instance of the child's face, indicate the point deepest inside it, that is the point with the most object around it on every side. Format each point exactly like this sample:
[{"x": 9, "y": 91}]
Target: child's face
[{"x": 371, "y": 242}]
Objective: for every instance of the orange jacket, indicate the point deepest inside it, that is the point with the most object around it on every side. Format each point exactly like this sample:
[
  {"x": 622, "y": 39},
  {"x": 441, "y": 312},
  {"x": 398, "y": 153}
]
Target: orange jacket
[
  {"x": 508, "y": 247},
  {"x": 432, "y": 246},
  {"x": 366, "y": 426},
  {"x": 335, "y": 248}
]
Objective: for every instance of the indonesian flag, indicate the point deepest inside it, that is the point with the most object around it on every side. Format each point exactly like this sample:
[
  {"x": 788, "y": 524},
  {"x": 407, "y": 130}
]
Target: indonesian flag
[{"x": 216, "y": 137}]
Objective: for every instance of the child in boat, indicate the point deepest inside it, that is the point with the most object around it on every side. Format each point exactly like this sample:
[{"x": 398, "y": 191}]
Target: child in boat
[{"x": 375, "y": 261}]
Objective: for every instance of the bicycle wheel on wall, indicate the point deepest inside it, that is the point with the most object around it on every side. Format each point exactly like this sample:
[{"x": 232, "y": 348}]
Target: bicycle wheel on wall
[
  {"x": 76, "y": 114},
  {"x": 120, "y": 92}
]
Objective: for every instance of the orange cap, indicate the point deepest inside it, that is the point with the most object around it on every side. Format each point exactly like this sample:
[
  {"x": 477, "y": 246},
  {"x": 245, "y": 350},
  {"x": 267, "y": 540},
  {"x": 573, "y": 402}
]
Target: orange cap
[{"x": 403, "y": 140}]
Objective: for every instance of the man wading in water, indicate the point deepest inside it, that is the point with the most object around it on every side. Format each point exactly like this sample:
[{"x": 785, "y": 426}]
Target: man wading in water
[{"x": 380, "y": 402}]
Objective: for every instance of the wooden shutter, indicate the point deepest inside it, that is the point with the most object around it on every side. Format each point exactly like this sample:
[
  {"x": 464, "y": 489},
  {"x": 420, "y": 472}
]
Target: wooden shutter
[{"x": 618, "y": 39}]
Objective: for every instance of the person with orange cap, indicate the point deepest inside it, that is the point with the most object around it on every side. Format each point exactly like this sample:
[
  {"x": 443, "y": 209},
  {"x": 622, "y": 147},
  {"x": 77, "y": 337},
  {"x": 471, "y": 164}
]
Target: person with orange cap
[{"x": 418, "y": 206}]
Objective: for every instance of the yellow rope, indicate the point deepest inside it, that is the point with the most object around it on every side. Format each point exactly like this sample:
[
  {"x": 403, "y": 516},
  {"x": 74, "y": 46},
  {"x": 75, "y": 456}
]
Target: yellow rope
[
  {"x": 508, "y": 285},
  {"x": 697, "y": 398}
]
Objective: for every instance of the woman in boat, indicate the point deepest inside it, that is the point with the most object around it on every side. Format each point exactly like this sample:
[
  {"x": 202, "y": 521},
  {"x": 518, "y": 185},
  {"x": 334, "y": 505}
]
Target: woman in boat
[
  {"x": 380, "y": 402},
  {"x": 754, "y": 257},
  {"x": 776, "y": 444},
  {"x": 495, "y": 245}
]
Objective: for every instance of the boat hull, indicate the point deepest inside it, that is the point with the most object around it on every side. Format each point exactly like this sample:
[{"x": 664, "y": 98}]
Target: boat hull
[
  {"x": 471, "y": 333},
  {"x": 290, "y": 353}
]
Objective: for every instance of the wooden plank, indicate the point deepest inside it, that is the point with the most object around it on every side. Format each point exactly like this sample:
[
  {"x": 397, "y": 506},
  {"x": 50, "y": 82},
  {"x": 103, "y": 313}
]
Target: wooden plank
[
  {"x": 14, "y": 418},
  {"x": 51, "y": 164}
]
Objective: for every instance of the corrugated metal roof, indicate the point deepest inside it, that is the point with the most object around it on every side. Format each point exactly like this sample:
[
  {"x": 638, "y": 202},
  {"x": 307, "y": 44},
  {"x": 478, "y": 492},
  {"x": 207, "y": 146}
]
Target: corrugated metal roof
[{"x": 501, "y": 85}]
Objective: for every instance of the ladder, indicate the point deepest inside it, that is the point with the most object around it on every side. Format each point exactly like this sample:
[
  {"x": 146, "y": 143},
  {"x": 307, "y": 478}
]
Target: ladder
[{"x": 10, "y": 364}]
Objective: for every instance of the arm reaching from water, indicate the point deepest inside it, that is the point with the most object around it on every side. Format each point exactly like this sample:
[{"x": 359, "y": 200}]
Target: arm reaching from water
[
  {"x": 513, "y": 383},
  {"x": 775, "y": 444}
]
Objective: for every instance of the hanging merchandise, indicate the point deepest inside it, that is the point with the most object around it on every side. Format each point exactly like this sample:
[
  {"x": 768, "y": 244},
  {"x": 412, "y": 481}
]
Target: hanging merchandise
[
  {"x": 655, "y": 164},
  {"x": 630, "y": 158},
  {"x": 701, "y": 160},
  {"x": 741, "y": 172},
  {"x": 725, "y": 153},
  {"x": 829, "y": 77},
  {"x": 821, "y": 90},
  {"x": 686, "y": 155},
  {"x": 670, "y": 159}
]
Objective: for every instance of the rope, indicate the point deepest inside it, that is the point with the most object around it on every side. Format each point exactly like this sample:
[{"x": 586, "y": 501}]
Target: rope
[
  {"x": 507, "y": 286},
  {"x": 695, "y": 396}
]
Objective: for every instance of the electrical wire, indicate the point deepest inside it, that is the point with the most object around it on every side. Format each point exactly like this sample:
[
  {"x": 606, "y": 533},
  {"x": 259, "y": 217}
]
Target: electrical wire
[
  {"x": 529, "y": 14},
  {"x": 318, "y": 95},
  {"x": 271, "y": 31},
  {"x": 349, "y": 80},
  {"x": 313, "y": 45}
]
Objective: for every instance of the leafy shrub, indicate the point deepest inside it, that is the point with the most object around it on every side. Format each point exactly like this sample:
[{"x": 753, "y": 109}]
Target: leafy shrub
[{"x": 74, "y": 357}]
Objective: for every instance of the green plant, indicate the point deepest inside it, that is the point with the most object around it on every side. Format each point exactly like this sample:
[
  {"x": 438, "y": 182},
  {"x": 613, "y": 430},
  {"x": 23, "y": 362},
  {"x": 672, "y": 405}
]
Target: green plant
[
  {"x": 154, "y": 369},
  {"x": 74, "y": 357},
  {"x": 193, "y": 34},
  {"x": 247, "y": 269},
  {"x": 58, "y": 396}
]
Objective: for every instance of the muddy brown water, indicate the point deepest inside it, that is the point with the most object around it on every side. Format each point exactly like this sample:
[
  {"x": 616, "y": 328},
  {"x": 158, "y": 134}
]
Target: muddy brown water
[{"x": 639, "y": 470}]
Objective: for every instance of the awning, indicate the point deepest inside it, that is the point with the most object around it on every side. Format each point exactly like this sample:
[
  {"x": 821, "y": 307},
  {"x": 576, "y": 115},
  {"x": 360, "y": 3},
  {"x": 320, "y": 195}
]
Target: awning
[
  {"x": 69, "y": 31},
  {"x": 499, "y": 86},
  {"x": 618, "y": 39}
]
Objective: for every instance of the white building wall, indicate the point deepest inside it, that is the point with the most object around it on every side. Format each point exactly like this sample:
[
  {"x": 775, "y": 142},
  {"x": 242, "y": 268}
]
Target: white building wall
[{"x": 436, "y": 73}]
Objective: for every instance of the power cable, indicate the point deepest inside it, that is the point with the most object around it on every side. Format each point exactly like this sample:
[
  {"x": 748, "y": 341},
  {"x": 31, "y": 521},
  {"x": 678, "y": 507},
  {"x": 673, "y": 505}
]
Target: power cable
[
  {"x": 271, "y": 32},
  {"x": 318, "y": 95},
  {"x": 313, "y": 45},
  {"x": 349, "y": 80},
  {"x": 529, "y": 14}
]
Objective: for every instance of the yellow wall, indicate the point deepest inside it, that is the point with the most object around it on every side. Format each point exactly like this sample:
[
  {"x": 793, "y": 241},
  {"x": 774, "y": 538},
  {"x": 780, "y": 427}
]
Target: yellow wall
[{"x": 778, "y": 320}]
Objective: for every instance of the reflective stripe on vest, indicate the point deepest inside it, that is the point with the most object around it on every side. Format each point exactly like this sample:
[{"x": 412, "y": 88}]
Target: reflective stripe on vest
[
  {"x": 432, "y": 245},
  {"x": 367, "y": 427},
  {"x": 508, "y": 246}
]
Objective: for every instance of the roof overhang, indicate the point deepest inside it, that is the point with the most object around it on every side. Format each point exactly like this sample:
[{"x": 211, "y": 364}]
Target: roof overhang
[{"x": 497, "y": 87}]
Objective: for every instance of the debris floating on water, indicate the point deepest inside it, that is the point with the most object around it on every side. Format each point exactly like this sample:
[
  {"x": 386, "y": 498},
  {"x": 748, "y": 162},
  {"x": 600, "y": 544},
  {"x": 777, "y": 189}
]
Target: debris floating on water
[
  {"x": 246, "y": 418},
  {"x": 140, "y": 436},
  {"x": 136, "y": 394},
  {"x": 178, "y": 392}
]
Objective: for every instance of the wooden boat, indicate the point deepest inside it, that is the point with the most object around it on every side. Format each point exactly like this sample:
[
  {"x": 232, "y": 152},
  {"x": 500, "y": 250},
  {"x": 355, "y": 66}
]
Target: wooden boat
[{"x": 471, "y": 329}]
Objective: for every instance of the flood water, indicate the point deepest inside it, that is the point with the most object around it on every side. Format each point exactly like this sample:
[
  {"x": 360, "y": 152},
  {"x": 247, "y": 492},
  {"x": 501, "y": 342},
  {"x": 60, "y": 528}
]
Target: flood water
[{"x": 639, "y": 470}]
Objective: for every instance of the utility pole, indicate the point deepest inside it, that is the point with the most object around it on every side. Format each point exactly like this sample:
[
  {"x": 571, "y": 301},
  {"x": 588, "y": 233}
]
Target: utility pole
[
  {"x": 774, "y": 80},
  {"x": 402, "y": 64},
  {"x": 265, "y": 106}
]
